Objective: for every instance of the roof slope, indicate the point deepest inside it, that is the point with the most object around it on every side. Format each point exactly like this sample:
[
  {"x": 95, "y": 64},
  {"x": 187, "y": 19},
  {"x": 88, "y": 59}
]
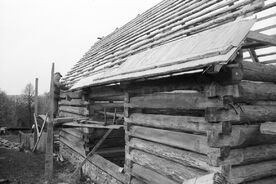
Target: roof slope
[
  {"x": 217, "y": 45},
  {"x": 166, "y": 22}
]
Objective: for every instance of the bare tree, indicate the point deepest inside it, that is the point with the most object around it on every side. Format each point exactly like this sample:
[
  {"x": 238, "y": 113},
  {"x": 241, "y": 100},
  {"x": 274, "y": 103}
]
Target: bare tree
[{"x": 28, "y": 95}]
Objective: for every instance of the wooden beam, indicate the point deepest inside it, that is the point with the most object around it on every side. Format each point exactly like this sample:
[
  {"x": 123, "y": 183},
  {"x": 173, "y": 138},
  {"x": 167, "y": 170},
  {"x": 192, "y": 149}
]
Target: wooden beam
[
  {"x": 150, "y": 176},
  {"x": 197, "y": 143},
  {"x": 174, "y": 101},
  {"x": 268, "y": 128},
  {"x": 188, "y": 158},
  {"x": 253, "y": 171},
  {"x": 50, "y": 125},
  {"x": 258, "y": 72},
  {"x": 172, "y": 170},
  {"x": 251, "y": 154},
  {"x": 241, "y": 135},
  {"x": 263, "y": 38},
  {"x": 211, "y": 178},
  {"x": 184, "y": 123},
  {"x": 95, "y": 148},
  {"x": 242, "y": 114},
  {"x": 107, "y": 167},
  {"x": 253, "y": 55}
]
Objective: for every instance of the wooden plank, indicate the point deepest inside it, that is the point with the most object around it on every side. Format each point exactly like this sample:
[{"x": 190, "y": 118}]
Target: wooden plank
[
  {"x": 149, "y": 176},
  {"x": 89, "y": 169},
  {"x": 212, "y": 178},
  {"x": 170, "y": 169},
  {"x": 258, "y": 72},
  {"x": 107, "y": 106},
  {"x": 92, "y": 152},
  {"x": 107, "y": 166},
  {"x": 248, "y": 155},
  {"x": 253, "y": 55},
  {"x": 242, "y": 114},
  {"x": 197, "y": 143},
  {"x": 252, "y": 172},
  {"x": 268, "y": 128},
  {"x": 74, "y": 124},
  {"x": 184, "y": 123},
  {"x": 136, "y": 181},
  {"x": 263, "y": 38},
  {"x": 174, "y": 101},
  {"x": 241, "y": 135},
  {"x": 184, "y": 157},
  {"x": 70, "y": 114},
  {"x": 76, "y": 110}
]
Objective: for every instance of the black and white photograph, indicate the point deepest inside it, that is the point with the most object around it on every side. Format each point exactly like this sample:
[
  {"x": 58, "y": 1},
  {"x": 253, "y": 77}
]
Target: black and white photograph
[{"x": 138, "y": 92}]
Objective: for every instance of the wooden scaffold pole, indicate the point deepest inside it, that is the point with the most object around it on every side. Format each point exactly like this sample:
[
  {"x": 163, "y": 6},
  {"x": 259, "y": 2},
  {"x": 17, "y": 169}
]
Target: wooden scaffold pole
[{"x": 49, "y": 144}]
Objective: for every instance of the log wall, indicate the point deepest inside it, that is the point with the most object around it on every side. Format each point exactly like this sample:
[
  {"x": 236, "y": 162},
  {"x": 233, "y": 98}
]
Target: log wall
[{"x": 193, "y": 129}]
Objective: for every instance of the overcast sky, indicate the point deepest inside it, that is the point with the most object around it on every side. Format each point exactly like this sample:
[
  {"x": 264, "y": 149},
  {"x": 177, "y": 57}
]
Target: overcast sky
[{"x": 35, "y": 33}]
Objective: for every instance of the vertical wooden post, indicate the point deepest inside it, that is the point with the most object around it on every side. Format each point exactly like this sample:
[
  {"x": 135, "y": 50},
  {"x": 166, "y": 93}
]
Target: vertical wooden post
[
  {"x": 49, "y": 144},
  {"x": 36, "y": 107}
]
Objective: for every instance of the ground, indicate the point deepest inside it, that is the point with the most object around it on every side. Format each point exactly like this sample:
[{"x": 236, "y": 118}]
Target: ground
[{"x": 19, "y": 166}]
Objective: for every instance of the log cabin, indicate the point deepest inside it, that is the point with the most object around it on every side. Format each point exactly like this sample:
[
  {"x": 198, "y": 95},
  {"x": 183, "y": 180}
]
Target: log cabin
[{"x": 188, "y": 89}]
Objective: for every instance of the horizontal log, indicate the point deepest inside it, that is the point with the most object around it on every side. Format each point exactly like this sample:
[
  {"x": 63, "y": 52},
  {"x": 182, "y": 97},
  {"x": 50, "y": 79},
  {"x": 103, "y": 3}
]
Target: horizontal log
[
  {"x": 197, "y": 143},
  {"x": 72, "y": 94},
  {"x": 181, "y": 156},
  {"x": 69, "y": 114},
  {"x": 184, "y": 123},
  {"x": 76, "y": 110},
  {"x": 73, "y": 102},
  {"x": 107, "y": 106},
  {"x": 241, "y": 135},
  {"x": 108, "y": 167},
  {"x": 212, "y": 178},
  {"x": 252, "y": 154},
  {"x": 256, "y": 91},
  {"x": 172, "y": 170},
  {"x": 149, "y": 176},
  {"x": 105, "y": 91},
  {"x": 75, "y": 132},
  {"x": 258, "y": 72},
  {"x": 186, "y": 82},
  {"x": 268, "y": 180},
  {"x": 174, "y": 101},
  {"x": 268, "y": 128},
  {"x": 136, "y": 181},
  {"x": 242, "y": 114},
  {"x": 253, "y": 172}
]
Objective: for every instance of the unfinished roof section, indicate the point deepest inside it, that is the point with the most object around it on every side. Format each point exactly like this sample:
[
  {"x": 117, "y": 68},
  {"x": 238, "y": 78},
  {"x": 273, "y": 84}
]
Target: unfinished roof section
[
  {"x": 217, "y": 45},
  {"x": 168, "y": 21}
]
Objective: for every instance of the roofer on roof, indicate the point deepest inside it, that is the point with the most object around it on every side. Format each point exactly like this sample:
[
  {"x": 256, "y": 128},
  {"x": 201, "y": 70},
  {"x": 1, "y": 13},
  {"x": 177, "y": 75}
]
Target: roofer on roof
[{"x": 57, "y": 87}]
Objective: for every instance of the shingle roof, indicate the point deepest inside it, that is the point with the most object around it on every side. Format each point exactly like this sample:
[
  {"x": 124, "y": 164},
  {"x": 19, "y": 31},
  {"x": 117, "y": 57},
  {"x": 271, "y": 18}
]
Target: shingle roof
[
  {"x": 217, "y": 45},
  {"x": 168, "y": 21}
]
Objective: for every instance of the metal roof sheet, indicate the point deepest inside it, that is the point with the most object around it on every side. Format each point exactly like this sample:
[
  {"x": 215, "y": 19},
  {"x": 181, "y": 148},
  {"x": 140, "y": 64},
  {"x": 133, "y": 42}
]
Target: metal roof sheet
[{"x": 216, "y": 45}]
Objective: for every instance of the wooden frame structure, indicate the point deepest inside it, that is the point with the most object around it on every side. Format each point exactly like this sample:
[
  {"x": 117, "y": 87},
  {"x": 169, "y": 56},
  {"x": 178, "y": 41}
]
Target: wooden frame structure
[{"x": 200, "y": 127}]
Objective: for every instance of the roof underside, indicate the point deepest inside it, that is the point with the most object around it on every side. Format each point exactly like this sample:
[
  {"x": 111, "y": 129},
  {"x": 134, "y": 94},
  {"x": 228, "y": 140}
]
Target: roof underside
[{"x": 173, "y": 36}]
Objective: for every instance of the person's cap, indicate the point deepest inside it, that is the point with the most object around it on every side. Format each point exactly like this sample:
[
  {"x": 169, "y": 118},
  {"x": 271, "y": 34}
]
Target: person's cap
[{"x": 57, "y": 73}]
